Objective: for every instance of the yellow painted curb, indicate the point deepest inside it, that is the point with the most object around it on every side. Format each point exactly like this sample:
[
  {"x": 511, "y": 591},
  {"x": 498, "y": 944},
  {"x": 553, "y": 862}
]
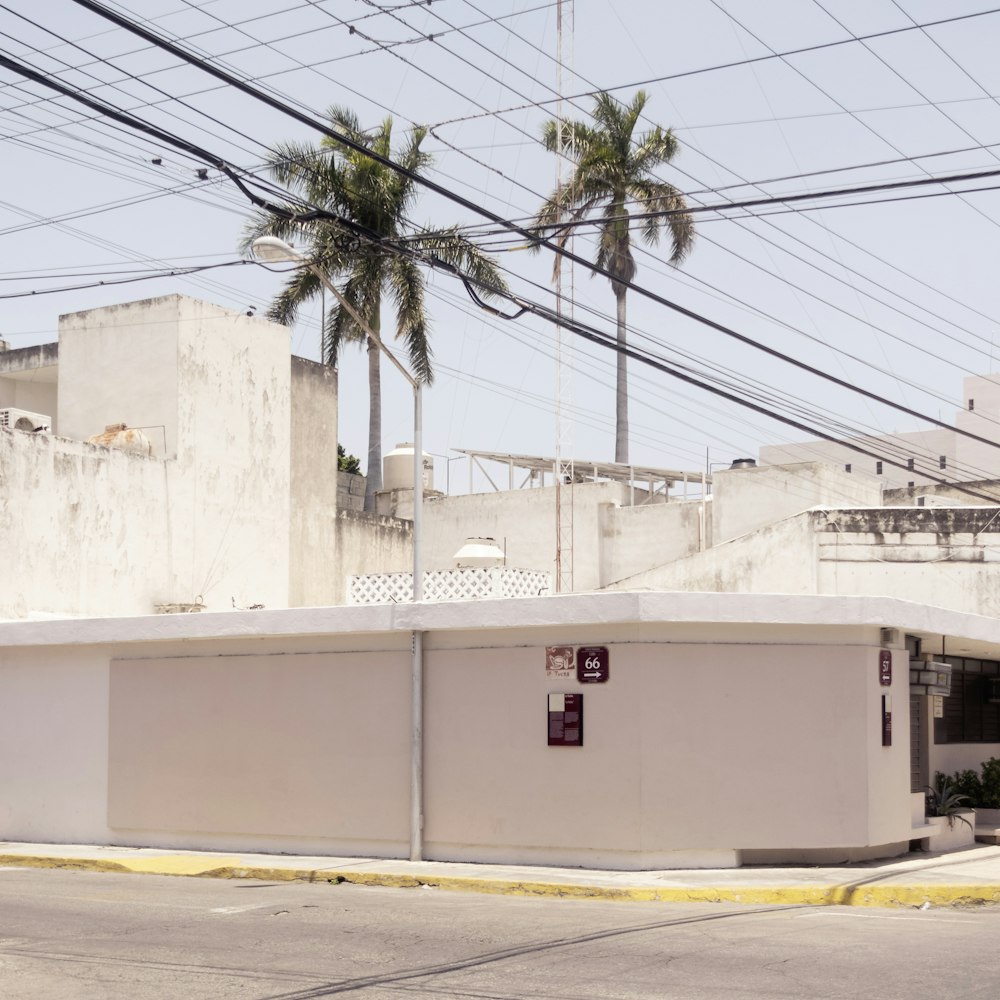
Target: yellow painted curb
[
  {"x": 882, "y": 895},
  {"x": 177, "y": 864}
]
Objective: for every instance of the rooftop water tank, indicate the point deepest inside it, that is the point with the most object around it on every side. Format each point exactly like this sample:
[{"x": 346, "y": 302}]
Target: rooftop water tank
[
  {"x": 479, "y": 552},
  {"x": 397, "y": 469}
]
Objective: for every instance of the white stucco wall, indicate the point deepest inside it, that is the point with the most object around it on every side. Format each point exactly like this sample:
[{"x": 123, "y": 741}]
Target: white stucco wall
[
  {"x": 728, "y": 723},
  {"x": 369, "y": 543},
  {"x": 119, "y": 364},
  {"x": 28, "y": 381},
  {"x": 82, "y": 528},
  {"x": 948, "y": 557},
  {"x": 982, "y": 460},
  {"x": 925, "y": 447},
  {"x": 635, "y": 539},
  {"x": 313, "y": 575},
  {"x": 25, "y": 394},
  {"x": 777, "y": 559},
  {"x": 747, "y": 499},
  {"x": 104, "y": 534},
  {"x": 525, "y": 522}
]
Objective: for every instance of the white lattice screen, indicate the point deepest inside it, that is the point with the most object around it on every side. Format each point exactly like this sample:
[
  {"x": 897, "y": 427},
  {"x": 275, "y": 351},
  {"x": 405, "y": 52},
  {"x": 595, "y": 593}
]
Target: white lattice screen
[{"x": 449, "y": 585}]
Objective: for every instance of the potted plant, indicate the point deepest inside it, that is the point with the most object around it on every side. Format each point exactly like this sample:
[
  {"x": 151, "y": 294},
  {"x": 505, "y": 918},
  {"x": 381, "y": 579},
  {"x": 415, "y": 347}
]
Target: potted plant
[
  {"x": 948, "y": 810},
  {"x": 982, "y": 791}
]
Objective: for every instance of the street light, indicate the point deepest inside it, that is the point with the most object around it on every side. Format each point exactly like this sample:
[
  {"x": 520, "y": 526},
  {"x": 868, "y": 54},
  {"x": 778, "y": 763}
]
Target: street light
[{"x": 271, "y": 250}]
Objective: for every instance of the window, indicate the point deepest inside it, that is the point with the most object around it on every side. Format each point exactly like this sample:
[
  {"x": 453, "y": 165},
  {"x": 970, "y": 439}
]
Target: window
[
  {"x": 943, "y": 462},
  {"x": 878, "y": 468},
  {"x": 969, "y": 715},
  {"x": 847, "y": 468},
  {"x": 909, "y": 464}
]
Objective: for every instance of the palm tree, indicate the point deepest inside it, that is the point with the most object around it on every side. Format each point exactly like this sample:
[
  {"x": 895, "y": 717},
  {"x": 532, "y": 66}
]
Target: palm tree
[
  {"x": 612, "y": 171},
  {"x": 377, "y": 200}
]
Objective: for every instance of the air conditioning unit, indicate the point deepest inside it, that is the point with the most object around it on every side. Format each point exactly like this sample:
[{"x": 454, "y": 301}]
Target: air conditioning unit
[{"x": 23, "y": 420}]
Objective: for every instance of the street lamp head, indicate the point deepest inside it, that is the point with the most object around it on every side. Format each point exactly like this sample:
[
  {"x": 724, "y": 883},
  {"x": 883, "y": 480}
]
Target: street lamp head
[{"x": 271, "y": 250}]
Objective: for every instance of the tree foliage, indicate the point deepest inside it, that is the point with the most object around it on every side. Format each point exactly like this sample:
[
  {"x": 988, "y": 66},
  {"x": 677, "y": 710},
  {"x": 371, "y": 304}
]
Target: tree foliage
[
  {"x": 614, "y": 176},
  {"x": 361, "y": 261}
]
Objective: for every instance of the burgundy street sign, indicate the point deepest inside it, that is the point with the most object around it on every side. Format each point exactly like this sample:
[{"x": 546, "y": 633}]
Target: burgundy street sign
[
  {"x": 593, "y": 664},
  {"x": 884, "y": 667}
]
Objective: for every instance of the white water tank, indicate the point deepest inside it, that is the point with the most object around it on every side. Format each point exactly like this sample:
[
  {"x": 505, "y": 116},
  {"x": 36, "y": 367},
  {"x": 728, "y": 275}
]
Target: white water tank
[
  {"x": 397, "y": 469},
  {"x": 479, "y": 552}
]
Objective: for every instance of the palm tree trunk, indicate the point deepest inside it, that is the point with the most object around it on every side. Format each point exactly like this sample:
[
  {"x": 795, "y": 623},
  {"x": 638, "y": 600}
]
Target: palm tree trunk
[
  {"x": 373, "y": 479},
  {"x": 621, "y": 386}
]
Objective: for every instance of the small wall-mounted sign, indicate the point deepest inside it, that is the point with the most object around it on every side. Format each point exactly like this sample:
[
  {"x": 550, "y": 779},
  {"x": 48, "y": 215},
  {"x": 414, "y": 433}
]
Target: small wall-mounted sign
[
  {"x": 886, "y": 720},
  {"x": 884, "y": 667},
  {"x": 593, "y": 664},
  {"x": 565, "y": 720},
  {"x": 938, "y": 701},
  {"x": 560, "y": 661}
]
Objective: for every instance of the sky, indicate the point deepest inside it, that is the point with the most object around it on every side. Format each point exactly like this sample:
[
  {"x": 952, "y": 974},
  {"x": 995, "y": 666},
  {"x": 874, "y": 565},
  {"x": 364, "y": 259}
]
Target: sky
[{"x": 892, "y": 291}]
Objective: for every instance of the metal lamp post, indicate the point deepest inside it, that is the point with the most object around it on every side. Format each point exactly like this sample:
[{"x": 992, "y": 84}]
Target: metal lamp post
[{"x": 270, "y": 249}]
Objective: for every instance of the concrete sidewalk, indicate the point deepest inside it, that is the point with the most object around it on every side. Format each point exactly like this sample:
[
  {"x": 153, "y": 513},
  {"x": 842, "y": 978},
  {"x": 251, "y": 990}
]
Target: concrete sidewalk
[{"x": 965, "y": 877}]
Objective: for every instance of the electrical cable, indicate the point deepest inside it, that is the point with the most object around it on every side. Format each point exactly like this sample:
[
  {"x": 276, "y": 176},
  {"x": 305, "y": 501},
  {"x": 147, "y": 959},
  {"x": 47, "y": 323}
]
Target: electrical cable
[{"x": 461, "y": 200}]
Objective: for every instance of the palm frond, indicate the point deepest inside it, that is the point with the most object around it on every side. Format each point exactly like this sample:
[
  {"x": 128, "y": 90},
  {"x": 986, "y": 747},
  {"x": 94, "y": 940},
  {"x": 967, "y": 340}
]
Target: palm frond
[{"x": 406, "y": 283}]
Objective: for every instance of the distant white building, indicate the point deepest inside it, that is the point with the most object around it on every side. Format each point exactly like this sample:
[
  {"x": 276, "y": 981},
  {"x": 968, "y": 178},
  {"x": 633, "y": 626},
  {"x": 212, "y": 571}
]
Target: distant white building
[{"x": 926, "y": 456}]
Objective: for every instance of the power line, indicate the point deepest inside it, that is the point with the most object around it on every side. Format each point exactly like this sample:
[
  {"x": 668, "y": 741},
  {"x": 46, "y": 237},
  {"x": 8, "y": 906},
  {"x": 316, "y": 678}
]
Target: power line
[
  {"x": 735, "y": 64},
  {"x": 432, "y": 185}
]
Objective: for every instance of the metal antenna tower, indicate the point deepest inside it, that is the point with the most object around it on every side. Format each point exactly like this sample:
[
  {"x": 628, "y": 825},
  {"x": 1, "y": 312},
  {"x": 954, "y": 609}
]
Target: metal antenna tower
[{"x": 564, "y": 472}]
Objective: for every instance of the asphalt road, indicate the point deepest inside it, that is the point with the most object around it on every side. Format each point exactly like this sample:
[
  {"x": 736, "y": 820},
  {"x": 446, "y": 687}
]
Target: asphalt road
[{"x": 90, "y": 936}]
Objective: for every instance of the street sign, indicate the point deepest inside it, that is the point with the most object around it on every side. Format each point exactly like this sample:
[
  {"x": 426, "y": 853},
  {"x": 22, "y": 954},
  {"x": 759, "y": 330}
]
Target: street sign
[
  {"x": 884, "y": 667},
  {"x": 565, "y": 720},
  {"x": 559, "y": 661},
  {"x": 593, "y": 664}
]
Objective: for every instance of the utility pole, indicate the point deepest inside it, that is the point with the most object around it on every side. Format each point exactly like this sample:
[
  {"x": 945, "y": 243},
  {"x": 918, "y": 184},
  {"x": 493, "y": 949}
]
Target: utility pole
[{"x": 564, "y": 473}]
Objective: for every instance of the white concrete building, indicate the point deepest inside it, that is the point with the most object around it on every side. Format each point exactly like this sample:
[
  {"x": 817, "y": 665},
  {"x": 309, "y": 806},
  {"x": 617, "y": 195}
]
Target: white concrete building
[
  {"x": 730, "y": 729},
  {"x": 233, "y": 506},
  {"x": 938, "y": 453},
  {"x": 748, "y": 715}
]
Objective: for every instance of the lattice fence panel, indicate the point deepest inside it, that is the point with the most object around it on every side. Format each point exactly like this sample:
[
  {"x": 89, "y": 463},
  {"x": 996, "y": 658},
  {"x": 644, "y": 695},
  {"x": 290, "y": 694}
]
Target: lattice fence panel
[{"x": 449, "y": 585}]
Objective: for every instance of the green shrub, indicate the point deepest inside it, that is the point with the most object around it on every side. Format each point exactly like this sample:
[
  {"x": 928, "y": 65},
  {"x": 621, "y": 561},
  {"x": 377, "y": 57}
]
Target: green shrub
[
  {"x": 967, "y": 783},
  {"x": 990, "y": 797},
  {"x": 982, "y": 790}
]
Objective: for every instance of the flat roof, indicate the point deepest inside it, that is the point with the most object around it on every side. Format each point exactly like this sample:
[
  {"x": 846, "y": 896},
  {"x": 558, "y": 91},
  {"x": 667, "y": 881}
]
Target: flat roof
[{"x": 560, "y": 615}]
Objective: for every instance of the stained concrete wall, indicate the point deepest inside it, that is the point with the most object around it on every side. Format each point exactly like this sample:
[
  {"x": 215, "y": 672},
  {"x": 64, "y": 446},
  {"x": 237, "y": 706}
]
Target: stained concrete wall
[
  {"x": 28, "y": 381},
  {"x": 635, "y": 539},
  {"x": 740, "y": 724},
  {"x": 369, "y": 543},
  {"x": 210, "y": 520},
  {"x": 777, "y": 559},
  {"x": 313, "y": 576},
  {"x": 83, "y": 529},
  {"x": 946, "y": 556},
  {"x": 614, "y": 533},
  {"x": 747, "y": 499}
]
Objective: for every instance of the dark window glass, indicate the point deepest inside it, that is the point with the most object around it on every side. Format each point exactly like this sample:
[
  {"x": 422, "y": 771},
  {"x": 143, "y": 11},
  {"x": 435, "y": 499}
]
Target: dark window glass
[{"x": 969, "y": 717}]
